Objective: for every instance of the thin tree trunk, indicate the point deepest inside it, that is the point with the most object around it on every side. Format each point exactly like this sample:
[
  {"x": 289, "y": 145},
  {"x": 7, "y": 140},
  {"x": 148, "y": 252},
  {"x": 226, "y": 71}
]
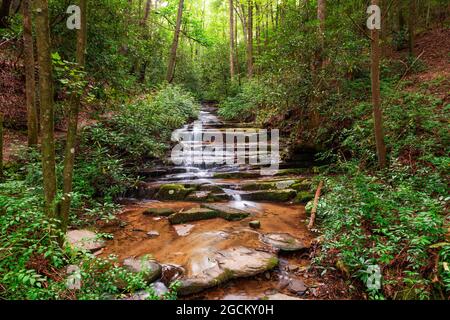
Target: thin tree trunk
[
  {"x": 316, "y": 203},
  {"x": 4, "y": 13},
  {"x": 69, "y": 156},
  {"x": 411, "y": 27},
  {"x": 47, "y": 109},
  {"x": 250, "y": 40},
  {"x": 30, "y": 83},
  {"x": 376, "y": 96},
  {"x": 173, "y": 51},
  {"x": 148, "y": 6},
  {"x": 232, "y": 51},
  {"x": 1, "y": 145}
]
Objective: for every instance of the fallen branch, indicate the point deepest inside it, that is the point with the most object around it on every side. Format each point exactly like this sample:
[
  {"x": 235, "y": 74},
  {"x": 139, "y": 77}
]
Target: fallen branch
[{"x": 316, "y": 202}]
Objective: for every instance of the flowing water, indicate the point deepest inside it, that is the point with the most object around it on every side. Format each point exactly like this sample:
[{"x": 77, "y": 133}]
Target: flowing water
[{"x": 186, "y": 250}]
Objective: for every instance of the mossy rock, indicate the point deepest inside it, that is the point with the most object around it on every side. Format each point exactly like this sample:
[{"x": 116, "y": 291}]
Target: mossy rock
[
  {"x": 218, "y": 197},
  {"x": 270, "y": 195},
  {"x": 303, "y": 197},
  {"x": 194, "y": 214},
  {"x": 236, "y": 175},
  {"x": 198, "y": 196},
  {"x": 226, "y": 212},
  {"x": 304, "y": 185},
  {"x": 292, "y": 171},
  {"x": 173, "y": 192},
  {"x": 159, "y": 212},
  {"x": 211, "y": 187}
]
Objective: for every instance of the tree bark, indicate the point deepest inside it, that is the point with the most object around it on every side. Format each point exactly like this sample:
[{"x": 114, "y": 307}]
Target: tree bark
[
  {"x": 250, "y": 40},
  {"x": 411, "y": 27},
  {"x": 376, "y": 96},
  {"x": 173, "y": 51},
  {"x": 30, "y": 81},
  {"x": 232, "y": 51},
  {"x": 148, "y": 6},
  {"x": 69, "y": 156},
  {"x": 47, "y": 109}
]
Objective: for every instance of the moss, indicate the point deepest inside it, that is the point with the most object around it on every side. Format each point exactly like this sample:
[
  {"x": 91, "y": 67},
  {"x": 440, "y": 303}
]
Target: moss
[
  {"x": 272, "y": 263},
  {"x": 173, "y": 192},
  {"x": 193, "y": 215},
  {"x": 159, "y": 212},
  {"x": 293, "y": 171},
  {"x": 257, "y": 186},
  {"x": 270, "y": 195},
  {"x": 304, "y": 185},
  {"x": 303, "y": 197},
  {"x": 236, "y": 175},
  {"x": 224, "y": 277}
]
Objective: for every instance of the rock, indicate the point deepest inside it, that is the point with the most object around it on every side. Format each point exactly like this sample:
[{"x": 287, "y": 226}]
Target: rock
[
  {"x": 193, "y": 214},
  {"x": 293, "y": 171},
  {"x": 218, "y": 267},
  {"x": 159, "y": 212},
  {"x": 183, "y": 229},
  {"x": 85, "y": 240},
  {"x": 149, "y": 268},
  {"x": 255, "y": 224},
  {"x": 304, "y": 185},
  {"x": 218, "y": 197},
  {"x": 237, "y": 175},
  {"x": 227, "y": 212},
  {"x": 153, "y": 234},
  {"x": 283, "y": 241},
  {"x": 211, "y": 187},
  {"x": 159, "y": 290},
  {"x": 173, "y": 192},
  {"x": 198, "y": 196},
  {"x": 171, "y": 272},
  {"x": 268, "y": 185},
  {"x": 280, "y": 296},
  {"x": 303, "y": 197},
  {"x": 297, "y": 286},
  {"x": 270, "y": 195}
]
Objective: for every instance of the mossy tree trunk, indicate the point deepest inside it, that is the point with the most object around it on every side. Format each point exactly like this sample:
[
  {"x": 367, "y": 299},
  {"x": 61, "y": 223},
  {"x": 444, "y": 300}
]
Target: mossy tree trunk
[
  {"x": 30, "y": 90},
  {"x": 47, "y": 108},
  {"x": 69, "y": 159}
]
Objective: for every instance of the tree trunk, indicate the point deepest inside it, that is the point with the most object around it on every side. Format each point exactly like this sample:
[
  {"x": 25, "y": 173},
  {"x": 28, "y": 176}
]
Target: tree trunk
[
  {"x": 1, "y": 145},
  {"x": 250, "y": 40},
  {"x": 47, "y": 109},
  {"x": 173, "y": 51},
  {"x": 30, "y": 83},
  {"x": 411, "y": 27},
  {"x": 148, "y": 6},
  {"x": 69, "y": 156},
  {"x": 321, "y": 13},
  {"x": 232, "y": 51},
  {"x": 376, "y": 96},
  {"x": 4, "y": 13}
]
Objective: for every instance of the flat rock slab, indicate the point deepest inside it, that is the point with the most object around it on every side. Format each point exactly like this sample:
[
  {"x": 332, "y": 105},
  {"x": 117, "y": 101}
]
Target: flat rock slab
[
  {"x": 85, "y": 240},
  {"x": 283, "y": 241},
  {"x": 270, "y": 195},
  {"x": 297, "y": 286},
  {"x": 227, "y": 212},
  {"x": 224, "y": 265},
  {"x": 159, "y": 212},
  {"x": 193, "y": 214},
  {"x": 149, "y": 268}
]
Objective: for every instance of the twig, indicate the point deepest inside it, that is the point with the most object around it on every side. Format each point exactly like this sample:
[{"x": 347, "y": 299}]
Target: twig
[
  {"x": 316, "y": 202},
  {"x": 409, "y": 68}
]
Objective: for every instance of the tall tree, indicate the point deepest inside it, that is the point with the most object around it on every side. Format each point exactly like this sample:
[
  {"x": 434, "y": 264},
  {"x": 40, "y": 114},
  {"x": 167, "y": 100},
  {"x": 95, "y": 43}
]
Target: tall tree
[
  {"x": 47, "y": 108},
  {"x": 411, "y": 27},
  {"x": 4, "y": 13},
  {"x": 173, "y": 50},
  {"x": 30, "y": 89},
  {"x": 232, "y": 51},
  {"x": 69, "y": 159},
  {"x": 250, "y": 39},
  {"x": 376, "y": 95}
]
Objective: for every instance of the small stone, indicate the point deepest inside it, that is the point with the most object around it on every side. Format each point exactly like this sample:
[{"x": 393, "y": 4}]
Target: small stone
[
  {"x": 267, "y": 275},
  {"x": 150, "y": 268},
  {"x": 153, "y": 234},
  {"x": 297, "y": 286},
  {"x": 255, "y": 224}
]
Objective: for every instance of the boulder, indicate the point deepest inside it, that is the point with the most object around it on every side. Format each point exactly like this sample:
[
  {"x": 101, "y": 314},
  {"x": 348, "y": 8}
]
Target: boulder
[
  {"x": 159, "y": 212},
  {"x": 270, "y": 195},
  {"x": 173, "y": 192},
  {"x": 85, "y": 240},
  {"x": 226, "y": 212},
  {"x": 303, "y": 197},
  {"x": 225, "y": 265},
  {"x": 283, "y": 241},
  {"x": 193, "y": 214},
  {"x": 148, "y": 267}
]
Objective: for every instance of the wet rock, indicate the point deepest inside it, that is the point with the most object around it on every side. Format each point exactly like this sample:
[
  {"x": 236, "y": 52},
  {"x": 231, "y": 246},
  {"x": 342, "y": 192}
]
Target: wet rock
[
  {"x": 173, "y": 192},
  {"x": 227, "y": 212},
  {"x": 211, "y": 187},
  {"x": 283, "y": 241},
  {"x": 218, "y": 197},
  {"x": 237, "y": 175},
  {"x": 183, "y": 229},
  {"x": 198, "y": 196},
  {"x": 153, "y": 234},
  {"x": 292, "y": 171},
  {"x": 304, "y": 185},
  {"x": 159, "y": 289},
  {"x": 159, "y": 212},
  {"x": 193, "y": 214},
  {"x": 268, "y": 185},
  {"x": 297, "y": 286},
  {"x": 171, "y": 272},
  {"x": 270, "y": 195},
  {"x": 280, "y": 296},
  {"x": 255, "y": 224},
  {"x": 85, "y": 240},
  {"x": 225, "y": 265},
  {"x": 303, "y": 197},
  {"x": 148, "y": 267}
]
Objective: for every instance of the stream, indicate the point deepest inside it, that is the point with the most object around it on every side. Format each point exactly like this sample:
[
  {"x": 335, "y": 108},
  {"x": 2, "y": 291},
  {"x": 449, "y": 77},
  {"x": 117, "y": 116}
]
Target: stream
[{"x": 223, "y": 231}]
